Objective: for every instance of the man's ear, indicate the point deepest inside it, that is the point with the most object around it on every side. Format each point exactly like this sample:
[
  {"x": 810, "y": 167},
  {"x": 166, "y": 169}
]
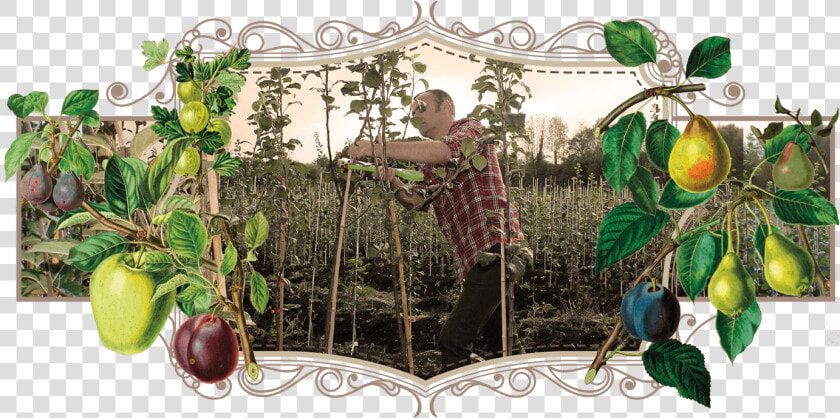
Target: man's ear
[{"x": 446, "y": 106}]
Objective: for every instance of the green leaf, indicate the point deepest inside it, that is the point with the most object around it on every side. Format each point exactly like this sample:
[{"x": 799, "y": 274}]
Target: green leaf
[
  {"x": 675, "y": 198},
  {"x": 170, "y": 285},
  {"x": 622, "y": 144},
  {"x": 760, "y": 237},
  {"x": 416, "y": 122},
  {"x": 142, "y": 191},
  {"x": 659, "y": 141},
  {"x": 20, "y": 106},
  {"x": 18, "y": 152},
  {"x": 38, "y": 100},
  {"x": 225, "y": 165},
  {"x": 710, "y": 58},
  {"x": 82, "y": 218},
  {"x": 178, "y": 202},
  {"x": 142, "y": 142},
  {"x": 187, "y": 237},
  {"x": 779, "y": 107},
  {"x": 259, "y": 292},
  {"x": 77, "y": 102},
  {"x": 156, "y": 53},
  {"x": 162, "y": 169},
  {"x": 93, "y": 250},
  {"x": 256, "y": 230},
  {"x": 357, "y": 106},
  {"x": 372, "y": 78},
  {"x": 685, "y": 367},
  {"x": 230, "y": 80},
  {"x": 419, "y": 67},
  {"x": 630, "y": 43},
  {"x": 251, "y": 256},
  {"x": 81, "y": 160},
  {"x": 440, "y": 172},
  {"x": 816, "y": 118},
  {"x": 644, "y": 189},
  {"x": 53, "y": 246},
  {"x": 229, "y": 260},
  {"x": 121, "y": 187},
  {"x": 737, "y": 334},
  {"x": 467, "y": 147},
  {"x": 241, "y": 59},
  {"x": 804, "y": 207},
  {"x": 154, "y": 261},
  {"x": 773, "y": 129},
  {"x": 91, "y": 118},
  {"x": 623, "y": 231},
  {"x": 695, "y": 259},
  {"x": 774, "y": 147},
  {"x": 479, "y": 162},
  {"x": 190, "y": 293}
]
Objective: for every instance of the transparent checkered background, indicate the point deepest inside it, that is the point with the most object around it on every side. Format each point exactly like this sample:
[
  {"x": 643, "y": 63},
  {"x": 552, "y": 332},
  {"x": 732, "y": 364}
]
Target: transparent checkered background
[{"x": 51, "y": 361}]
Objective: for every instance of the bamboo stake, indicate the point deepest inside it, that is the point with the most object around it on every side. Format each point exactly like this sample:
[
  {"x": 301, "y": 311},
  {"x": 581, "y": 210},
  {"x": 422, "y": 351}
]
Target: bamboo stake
[
  {"x": 406, "y": 325},
  {"x": 213, "y": 198},
  {"x": 331, "y": 323}
]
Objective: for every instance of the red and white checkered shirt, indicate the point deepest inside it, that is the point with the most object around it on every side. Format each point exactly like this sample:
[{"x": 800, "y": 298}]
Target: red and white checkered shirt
[{"x": 464, "y": 212}]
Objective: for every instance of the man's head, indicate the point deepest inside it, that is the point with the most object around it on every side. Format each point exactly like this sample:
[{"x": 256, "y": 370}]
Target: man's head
[{"x": 437, "y": 112}]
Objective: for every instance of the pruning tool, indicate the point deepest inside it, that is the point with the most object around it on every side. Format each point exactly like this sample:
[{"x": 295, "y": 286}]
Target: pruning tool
[{"x": 405, "y": 174}]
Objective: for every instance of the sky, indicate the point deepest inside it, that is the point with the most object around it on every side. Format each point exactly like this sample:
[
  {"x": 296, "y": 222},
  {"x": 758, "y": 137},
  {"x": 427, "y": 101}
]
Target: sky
[{"x": 579, "y": 97}]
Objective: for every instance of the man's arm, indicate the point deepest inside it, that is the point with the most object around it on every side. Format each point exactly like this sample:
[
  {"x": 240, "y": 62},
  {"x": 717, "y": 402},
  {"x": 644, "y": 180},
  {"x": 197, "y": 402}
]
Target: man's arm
[
  {"x": 424, "y": 152},
  {"x": 409, "y": 200}
]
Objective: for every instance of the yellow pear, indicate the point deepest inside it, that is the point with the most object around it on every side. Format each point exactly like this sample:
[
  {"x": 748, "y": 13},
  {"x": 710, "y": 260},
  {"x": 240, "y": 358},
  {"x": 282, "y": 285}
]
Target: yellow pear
[
  {"x": 788, "y": 268},
  {"x": 700, "y": 159},
  {"x": 731, "y": 289}
]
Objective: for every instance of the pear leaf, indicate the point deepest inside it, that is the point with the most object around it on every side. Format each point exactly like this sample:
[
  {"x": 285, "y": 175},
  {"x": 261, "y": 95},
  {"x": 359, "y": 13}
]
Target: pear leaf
[
  {"x": 804, "y": 207},
  {"x": 682, "y": 366},
  {"x": 695, "y": 259},
  {"x": 630, "y": 43},
  {"x": 659, "y": 141},
  {"x": 625, "y": 230},
  {"x": 644, "y": 189},
  {"x": 676, "y": 198},
  {"x": 622, "y": 144},
  {"x": 737, "y": 334},
  {"x": 710, "y": 58}
]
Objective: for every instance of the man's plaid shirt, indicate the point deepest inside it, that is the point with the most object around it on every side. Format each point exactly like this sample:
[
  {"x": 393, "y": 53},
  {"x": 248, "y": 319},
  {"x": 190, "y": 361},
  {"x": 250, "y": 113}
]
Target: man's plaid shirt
[{"x": 464, "y": 212}]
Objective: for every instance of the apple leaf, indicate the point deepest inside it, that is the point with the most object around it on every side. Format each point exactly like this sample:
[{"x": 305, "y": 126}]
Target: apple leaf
[
  {"x": 479, "y": 162},
  {"x": 695, "y": 258},
  {"x": 20, "y": 106},
  {"x": 190, "y": 293},
  {"x": 38, "y": 100},
  {"x": 162, "y": 170},
  {"x": 121, "y": 187},
  {"x": 157, "y": 261},
  {"x": 659, "y": 141},
  {"x": 229, "y": 260},
  {"x": 77, "y": 102},
  {"x": 82, "y": 218},
  {"x": 81, "y": 160},
  {"x": 622, "y": 144},
  {"x": 53, "y": 246},
  {"x": 187, "y": 237},
  {"x": 804, "y": 207},
  {"x": 256, "y": 230},
  {"x": 644, "y": 189},
  {"x": 625, "y": 230},
  {"x": 630, "y": 43},
  {"x": 170, "y": 285},
  {"x": 681, "y": 366},
  {"x": 18, "y": 152},
  {"x": 710, "y": 58},
  {"x": 737, "y": 334},
  {"x": 675, "y": 198},
  {"x": 178, "y": 202},
  {"x": 93, "y": 250},
  {"x": 259, "y": 291}
]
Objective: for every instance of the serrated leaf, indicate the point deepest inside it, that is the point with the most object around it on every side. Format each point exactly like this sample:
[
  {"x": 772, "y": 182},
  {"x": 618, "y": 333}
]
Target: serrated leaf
[
  {"x": 82, "y": 218},
  {"x": 53, "y": 246},
  {"x": 685, "y": 366},
  {"x": 372, "y": 78},
  {"x": 259, "y": 292},
  {"x": 38, "y": 101},
  {"x": 644, "y": 189},
  {"x": 226, "y": 165},
  {"x": 774, "y": 147},
  {"x": 659, "y": 141},
  {"x": 170, "y": 285},
  {"x": 675, "y": 198},
  {"x": 187, "y": 237},
  {"x": 233, "y": 81},
  {"x": 804, "y": 207},
  {"x": 479, "y": 162},
  {"x": 91, "y": 118},
  {"x": 160, "y": 173},
  {"x": 156, "y": 261},
  {"x": 142, "y": 142},
  {"x": 256, "y": 230},
  {"x": 229, "y": 260},
  {"x": 156, "y": 53},
  {"x": 190, "y": 293},
  {"x": 737, "y": 334},
  {"x": 710, "y": 58},
  {"x": 77, "y": 102},
  {"x": 121, "y": 187},
  {"x": 695, "y": 259},
  {"x": 93, "y": 250},
  {"x": 20, "y": 106},
  {"x": 623, "y": 231},
  {"x": 81, "y": 160},
  {"x": 622, "y": 144},
  {"x": 18, "y": 152},
  {"x": 760, "y": 237},
  {"x": 630, "y": 43},
  {"x": 176, "y": 202}
]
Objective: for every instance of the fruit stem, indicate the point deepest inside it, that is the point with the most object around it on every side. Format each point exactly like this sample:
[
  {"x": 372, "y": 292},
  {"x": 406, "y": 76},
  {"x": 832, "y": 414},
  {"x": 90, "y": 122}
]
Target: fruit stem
[
  {"x": 677, "y": 99},
  {"x": 701, "y": 228},
  {"x": 766, "y": 217},
  {"x": 653, "y": 282},
  {"x": 729, "y": 229}
]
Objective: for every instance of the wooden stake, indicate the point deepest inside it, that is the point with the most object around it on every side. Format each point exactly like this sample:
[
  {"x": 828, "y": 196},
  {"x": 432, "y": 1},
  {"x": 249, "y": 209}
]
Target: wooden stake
[
  {"x": 213, "y": 198},
  {"x": 331, "y": 322}
]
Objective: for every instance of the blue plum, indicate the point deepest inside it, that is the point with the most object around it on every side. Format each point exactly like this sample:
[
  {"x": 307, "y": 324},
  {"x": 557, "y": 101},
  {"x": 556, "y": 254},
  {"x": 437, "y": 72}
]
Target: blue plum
[{"x": 650, "y": 315}]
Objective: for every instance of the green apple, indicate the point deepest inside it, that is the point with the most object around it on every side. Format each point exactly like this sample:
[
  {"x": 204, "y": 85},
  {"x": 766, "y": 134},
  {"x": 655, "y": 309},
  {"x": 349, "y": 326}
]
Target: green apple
[{"x": 120, "y": 290}]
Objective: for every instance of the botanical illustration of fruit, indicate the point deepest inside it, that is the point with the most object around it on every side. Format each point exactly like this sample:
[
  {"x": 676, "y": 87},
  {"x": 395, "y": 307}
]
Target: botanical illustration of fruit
[{"x": 165, "y": 244}]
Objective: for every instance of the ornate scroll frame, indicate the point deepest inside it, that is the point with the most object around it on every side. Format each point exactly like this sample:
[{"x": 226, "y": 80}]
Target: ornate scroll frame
[{"x": 514, "y": 40}]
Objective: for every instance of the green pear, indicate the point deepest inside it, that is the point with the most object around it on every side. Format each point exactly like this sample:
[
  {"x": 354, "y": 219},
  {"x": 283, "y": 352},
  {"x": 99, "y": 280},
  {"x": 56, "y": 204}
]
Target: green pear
[
  {"x": 793, "y": 170},
  {"x": 120, "y": 290},
  {"x": 788, "y": 268},
  {"x": 731, "y": 289}
]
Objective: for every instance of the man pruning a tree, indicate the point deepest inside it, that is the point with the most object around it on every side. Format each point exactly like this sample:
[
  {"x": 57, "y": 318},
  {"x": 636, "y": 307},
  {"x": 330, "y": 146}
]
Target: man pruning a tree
[{"x": 468, "y": 214}]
